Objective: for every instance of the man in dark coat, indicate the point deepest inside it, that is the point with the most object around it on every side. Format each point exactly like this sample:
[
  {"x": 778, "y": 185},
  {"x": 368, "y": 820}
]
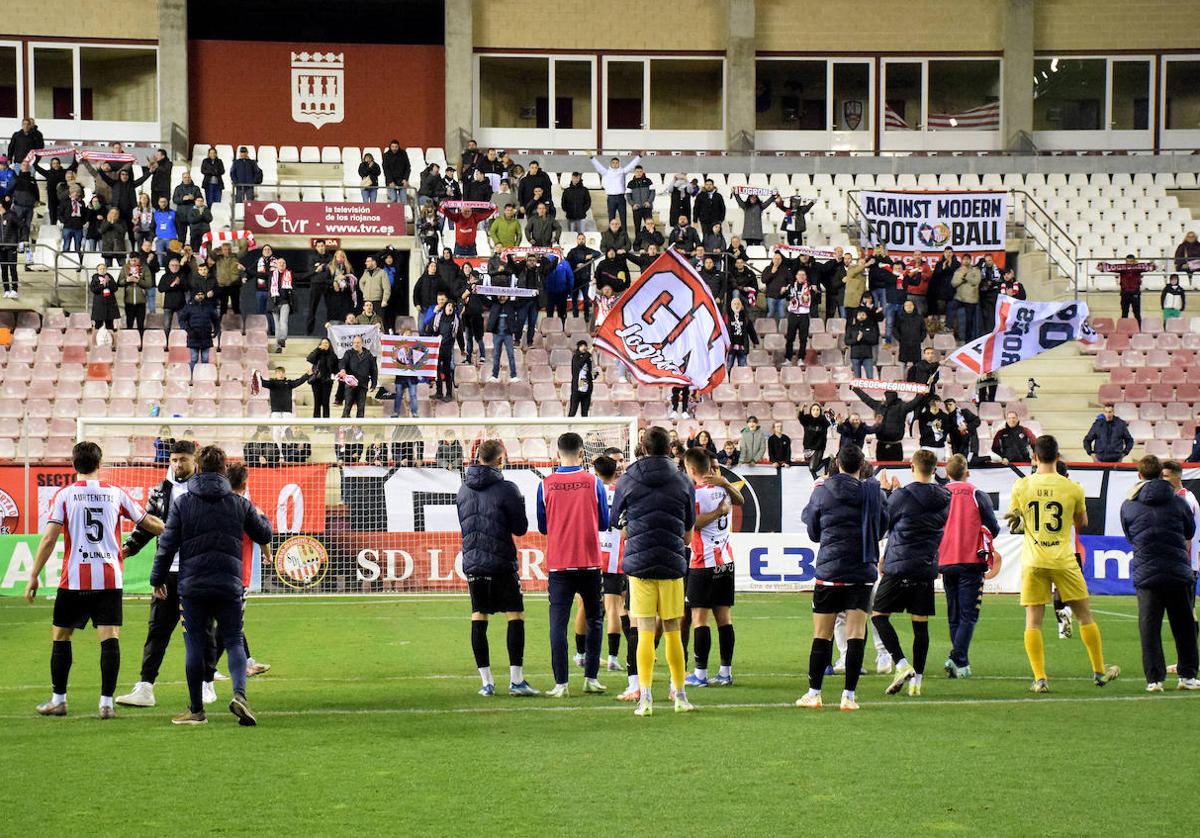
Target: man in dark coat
[
  {"x": 206, "y": 527},
  {"x": 1160, "y": 527},
  {"x": 893, "y": 412},
  {"x": 847, "y": 516},
  {"x": 655, "y": 506},
  {"x": 202, "y": 323},
  {"x": 361, "y": 365},
  {"x": 160, "y": 176},
  {"x": 1108, "y": 440},
  {"x": 709, "y": 206},
  {"x": 396, "y": 169},
  {"x": 916, "y": 516},
  {"x": 25, "y": 140},
  {"x": 491, "y": 512}
]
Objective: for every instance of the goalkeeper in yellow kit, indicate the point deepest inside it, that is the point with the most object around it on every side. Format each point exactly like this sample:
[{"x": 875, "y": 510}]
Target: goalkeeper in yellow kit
[{"x": 1045, "y": 505}]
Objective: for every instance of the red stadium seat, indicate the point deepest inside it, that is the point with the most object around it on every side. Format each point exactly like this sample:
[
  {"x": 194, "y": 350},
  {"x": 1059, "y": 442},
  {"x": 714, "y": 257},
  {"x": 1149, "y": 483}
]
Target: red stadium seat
[
  {"x": 1137, "y": 392},
  {"x": 1110, "y": 393}
]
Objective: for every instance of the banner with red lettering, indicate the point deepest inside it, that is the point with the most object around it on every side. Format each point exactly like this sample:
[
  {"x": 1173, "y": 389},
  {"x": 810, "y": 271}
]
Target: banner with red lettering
[{"x": 667, "y": 328}]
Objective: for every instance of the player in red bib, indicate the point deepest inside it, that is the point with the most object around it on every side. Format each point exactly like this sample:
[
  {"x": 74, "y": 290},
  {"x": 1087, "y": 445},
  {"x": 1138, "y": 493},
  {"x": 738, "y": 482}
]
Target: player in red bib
[
  {"x": 710, "y": 577},
  {"x": 88, "y": 513}
]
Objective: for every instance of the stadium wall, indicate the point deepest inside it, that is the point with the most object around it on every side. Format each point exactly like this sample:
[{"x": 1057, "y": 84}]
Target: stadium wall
[
  {"x": 120, "y": 19},
  {"x": 383, "y": 83},
  {"x": 396, "y": 529}
]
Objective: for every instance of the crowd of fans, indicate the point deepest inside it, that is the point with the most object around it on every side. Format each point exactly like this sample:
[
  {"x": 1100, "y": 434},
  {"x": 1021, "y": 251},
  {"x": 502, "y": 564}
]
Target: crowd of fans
[{"x": 150, "y": 235}]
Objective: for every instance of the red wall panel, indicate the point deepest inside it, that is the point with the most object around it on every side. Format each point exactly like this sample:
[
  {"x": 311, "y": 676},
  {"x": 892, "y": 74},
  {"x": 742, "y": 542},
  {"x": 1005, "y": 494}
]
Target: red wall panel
[{"x": 241, "y": 91}]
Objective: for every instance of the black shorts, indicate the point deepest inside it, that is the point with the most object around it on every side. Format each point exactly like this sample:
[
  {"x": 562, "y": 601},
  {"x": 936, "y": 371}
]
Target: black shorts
[
  {"x": 833, "y": 599},
  {"x": 897, "y": 594},
  {"x": 710, "y": 587},
  {"x": 495, "y": 594},
  {"x": 614, "y": 584},
  {"x": 73, "y": 609}
]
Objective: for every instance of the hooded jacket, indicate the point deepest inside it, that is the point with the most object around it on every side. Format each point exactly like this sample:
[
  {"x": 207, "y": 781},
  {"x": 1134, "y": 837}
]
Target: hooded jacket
[
  {"x": 205, "y": 527},
  {"x": 917, "y": 516},
  {"x": 847, "y": 517},
  {"x": 1111, "y": 441},
  {"x": 490, "y": 512},
  {"x": 893, "y": 410},
  {"x": 1159, "y": 526},
  {"x": 656, "y": 506},
  {"x": 753, "y": 446}
]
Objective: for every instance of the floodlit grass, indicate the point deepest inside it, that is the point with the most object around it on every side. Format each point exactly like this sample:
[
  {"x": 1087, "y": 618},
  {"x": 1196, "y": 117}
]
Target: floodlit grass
[{"x": 369, "y": 724}]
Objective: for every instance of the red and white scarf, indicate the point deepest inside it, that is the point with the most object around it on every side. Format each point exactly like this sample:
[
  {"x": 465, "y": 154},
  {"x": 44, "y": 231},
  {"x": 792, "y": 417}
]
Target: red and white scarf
[{"x": 279, "y": 281}]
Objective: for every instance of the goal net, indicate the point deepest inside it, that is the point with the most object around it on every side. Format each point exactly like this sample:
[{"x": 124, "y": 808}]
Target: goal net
[{"x": 356, "y": 505}]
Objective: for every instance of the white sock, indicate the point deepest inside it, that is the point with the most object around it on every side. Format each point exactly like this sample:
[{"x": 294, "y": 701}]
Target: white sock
[
  {"x": 812, "y": 693},
  {"x": 58, "y": 698},
  {"x": 516, "y": 674},
  {"x": 848, "y": 694},
  {"x": 613, "y": 659},
  {"x": 633, "y": 682},
  {"x": 702, "y": 674},
  {"x": 209, "y": 684},
  {"x": 106, "y": 701},
  {"x": 646, "y": 696},
  {"x": 903, "y": 662},
  {"x": 726, "y": 671},
  {"x": 485, "y": 673}
]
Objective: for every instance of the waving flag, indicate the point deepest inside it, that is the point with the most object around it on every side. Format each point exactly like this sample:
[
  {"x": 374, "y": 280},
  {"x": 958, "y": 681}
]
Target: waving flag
[
  {"x": 1025, "y": 328},
  {"x": 667, "y": 328},
  {"x": 409, "y": 355}
]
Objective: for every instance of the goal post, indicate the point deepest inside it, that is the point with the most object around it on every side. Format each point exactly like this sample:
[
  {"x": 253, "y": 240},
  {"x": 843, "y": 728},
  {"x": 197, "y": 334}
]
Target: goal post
[{"x": 357, "y": 506}]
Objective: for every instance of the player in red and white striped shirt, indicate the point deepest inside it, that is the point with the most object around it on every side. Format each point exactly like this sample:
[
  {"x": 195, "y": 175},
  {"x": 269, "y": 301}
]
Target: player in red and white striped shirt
[
  {"x": 89, "y": 512},
  {"x": 710, "y": 577}
]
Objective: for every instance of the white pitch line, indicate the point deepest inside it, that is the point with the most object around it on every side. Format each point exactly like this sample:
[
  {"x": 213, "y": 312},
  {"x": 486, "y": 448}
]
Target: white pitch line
[
  {"x": 1115, "y": 614},
  {"x": 532, "y": 707}
]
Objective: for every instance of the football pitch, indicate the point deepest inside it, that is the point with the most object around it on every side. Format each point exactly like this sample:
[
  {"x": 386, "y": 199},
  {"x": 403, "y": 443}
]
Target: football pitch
[{"x": 369, "y": 724}]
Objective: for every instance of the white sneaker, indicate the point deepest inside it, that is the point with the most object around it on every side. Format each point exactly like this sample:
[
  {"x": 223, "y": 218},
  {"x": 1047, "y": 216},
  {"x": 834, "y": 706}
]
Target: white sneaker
[
  {"x": 812, "y": 702},
  {"x": 674, "y": 414},
  {"x": 493, "y": 379},
  {"x": 219, "y": 676},
  {"x": 1154, "y": 687},
  {"x": 840, "y": 666},
  {"x": 559, "y": 691},
  {"x": 208, "y": 693},
  {"x": 883, "y": 664},
  {"x": 578, "y": 659},
  {"x": 591, "y": 685},
  {"x": 141, "y": 696},
  {"x": 645, "y": 707},
  {"x": 684, "y": 415},
  {"x": 1188, "y": 684},
  {"x": 682, "y": 705},
  {"x": 514, "y": 379}
]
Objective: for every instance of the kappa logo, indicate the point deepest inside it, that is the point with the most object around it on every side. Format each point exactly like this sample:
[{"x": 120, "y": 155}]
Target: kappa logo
[{"x": 318, "y": 88}]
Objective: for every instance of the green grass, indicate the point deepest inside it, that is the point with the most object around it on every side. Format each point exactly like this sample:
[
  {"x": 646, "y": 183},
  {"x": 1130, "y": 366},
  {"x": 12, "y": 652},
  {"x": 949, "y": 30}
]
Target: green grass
[{"x": 369, "y": 724}]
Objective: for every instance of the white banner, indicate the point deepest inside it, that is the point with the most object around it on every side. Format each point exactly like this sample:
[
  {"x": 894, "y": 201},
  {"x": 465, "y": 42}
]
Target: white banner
[
  {"x": 342, "y": 337},
  {"x": 894, "y": 386},
  {"x": 791, "y": 251},
  {"x": 1025, "y": 328},
  {"x": 505, "y": 291},
  {"x": 667, "y": 328},
  {"x": 910, "y": 220}
]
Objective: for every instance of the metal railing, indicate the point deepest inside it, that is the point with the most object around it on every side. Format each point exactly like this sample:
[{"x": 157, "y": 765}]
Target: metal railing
[
  {"x": 1088, "y": 272},
  {"x": 1062, "y": 250}
]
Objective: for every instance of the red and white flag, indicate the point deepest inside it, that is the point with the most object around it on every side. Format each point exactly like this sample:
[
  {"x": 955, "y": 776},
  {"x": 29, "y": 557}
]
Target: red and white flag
[
  {"x": 667, "y": 328},
  {"x": 1025, "y": 328},
  {"x": 409, "y": 355}
]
